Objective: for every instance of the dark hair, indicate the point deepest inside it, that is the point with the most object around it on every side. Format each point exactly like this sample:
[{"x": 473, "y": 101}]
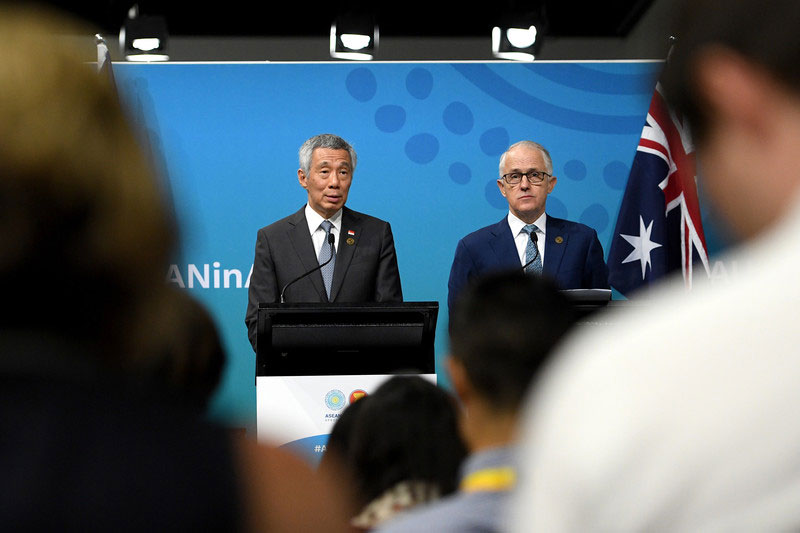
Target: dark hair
[
  {"x": 340, "y": 440},
  {"x": 406, "y": 430},
  {"x": 181, "y": 348},
  {"x": 765, "y": 33},
  {"x": 502, "y": 328}
]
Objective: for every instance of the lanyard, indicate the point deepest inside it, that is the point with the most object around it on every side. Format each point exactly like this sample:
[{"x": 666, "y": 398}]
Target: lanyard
[{"x": 490, "y": 480}]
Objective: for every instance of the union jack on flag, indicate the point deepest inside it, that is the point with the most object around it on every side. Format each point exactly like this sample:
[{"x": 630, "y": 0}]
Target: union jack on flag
[{"x": 659, "y": 228}]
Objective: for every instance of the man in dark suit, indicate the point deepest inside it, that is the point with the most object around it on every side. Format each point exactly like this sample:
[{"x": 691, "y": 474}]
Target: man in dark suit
[
  {"x": 363, "y": 264},
  {"x": 565, "y": 251}
]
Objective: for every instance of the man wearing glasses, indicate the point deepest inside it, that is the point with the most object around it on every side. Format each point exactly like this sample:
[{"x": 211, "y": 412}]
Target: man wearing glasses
[{"x": 527, "y": 238}]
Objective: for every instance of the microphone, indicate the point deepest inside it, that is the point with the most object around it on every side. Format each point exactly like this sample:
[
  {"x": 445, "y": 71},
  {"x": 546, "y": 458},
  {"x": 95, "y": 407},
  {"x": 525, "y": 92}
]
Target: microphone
[
  {"x": 535, "y": 239},
  {"x": 331, "y": 242}
]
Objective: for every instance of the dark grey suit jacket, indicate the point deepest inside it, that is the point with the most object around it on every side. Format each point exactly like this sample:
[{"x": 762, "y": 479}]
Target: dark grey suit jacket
[{"x": 365, "y": 270}]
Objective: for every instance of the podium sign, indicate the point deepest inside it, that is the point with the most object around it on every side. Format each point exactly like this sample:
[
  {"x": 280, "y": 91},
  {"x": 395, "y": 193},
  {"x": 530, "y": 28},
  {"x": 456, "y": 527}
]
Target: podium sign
[
  {"x": 313, "y": 360},
  {"x": 298, "y": 412}
]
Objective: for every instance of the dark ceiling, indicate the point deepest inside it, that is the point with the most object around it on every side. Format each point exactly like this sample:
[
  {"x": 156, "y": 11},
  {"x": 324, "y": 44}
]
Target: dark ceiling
[{"x": 566, "y": 18}]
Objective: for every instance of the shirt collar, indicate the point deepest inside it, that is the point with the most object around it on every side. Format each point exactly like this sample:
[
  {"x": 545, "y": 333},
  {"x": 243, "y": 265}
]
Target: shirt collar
[
  {"x": 314, "y": 219},
  {"x": 489, "y": 458},
  {"x": 516, "y": 224}
]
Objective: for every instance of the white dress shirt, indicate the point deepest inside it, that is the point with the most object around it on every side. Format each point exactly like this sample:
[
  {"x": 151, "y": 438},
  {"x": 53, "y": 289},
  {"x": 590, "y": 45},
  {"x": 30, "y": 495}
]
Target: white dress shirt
[
  {"x": 314, "y": 220},
  {"x": 521, "y": 238}
]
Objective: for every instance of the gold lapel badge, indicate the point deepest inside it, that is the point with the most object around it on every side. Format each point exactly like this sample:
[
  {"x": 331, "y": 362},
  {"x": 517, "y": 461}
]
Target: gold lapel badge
[
  {"x": 559, "y": 239},
  {"x": 350, "y": 241}
]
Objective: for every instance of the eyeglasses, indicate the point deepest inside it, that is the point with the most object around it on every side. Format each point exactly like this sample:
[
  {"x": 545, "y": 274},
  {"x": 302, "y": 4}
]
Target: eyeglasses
[{"x": 535, "y": 177}]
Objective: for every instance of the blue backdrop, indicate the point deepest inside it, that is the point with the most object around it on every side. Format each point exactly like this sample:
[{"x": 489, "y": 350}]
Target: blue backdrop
[{"x": 428, "y": 137}]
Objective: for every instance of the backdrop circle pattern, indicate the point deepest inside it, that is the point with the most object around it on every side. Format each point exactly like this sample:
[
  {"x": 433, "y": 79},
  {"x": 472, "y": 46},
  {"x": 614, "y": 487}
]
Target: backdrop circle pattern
[{"x": 361, "y": 84}]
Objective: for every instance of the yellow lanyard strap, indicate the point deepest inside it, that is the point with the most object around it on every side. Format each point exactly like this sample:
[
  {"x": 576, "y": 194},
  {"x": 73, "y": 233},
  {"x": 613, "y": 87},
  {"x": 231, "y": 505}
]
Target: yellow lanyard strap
[{"x": 490, "y": 480}]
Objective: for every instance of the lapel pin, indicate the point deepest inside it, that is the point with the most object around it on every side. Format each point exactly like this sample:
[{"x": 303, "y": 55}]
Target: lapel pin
[
  {"x": 559, "y": 239},
  {"x": 351, "y": 233},
  {"x": 350, "y": 240}
]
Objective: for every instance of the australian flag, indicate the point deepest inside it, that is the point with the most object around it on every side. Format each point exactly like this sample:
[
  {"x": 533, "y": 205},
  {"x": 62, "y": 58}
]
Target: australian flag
[{"x": 659, "y": 228}]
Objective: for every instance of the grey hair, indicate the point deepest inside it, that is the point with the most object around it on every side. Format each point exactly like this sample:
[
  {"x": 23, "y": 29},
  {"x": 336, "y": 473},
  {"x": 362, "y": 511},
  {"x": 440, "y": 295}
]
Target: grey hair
[
  {"x": 325, "y": 140},
  {"x": 548, "y": 161}
]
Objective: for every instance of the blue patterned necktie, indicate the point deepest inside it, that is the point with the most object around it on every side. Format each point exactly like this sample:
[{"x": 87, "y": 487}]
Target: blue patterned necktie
[
  {"x": 532, "y": 252},
  {"x": 324, "y": 254}
]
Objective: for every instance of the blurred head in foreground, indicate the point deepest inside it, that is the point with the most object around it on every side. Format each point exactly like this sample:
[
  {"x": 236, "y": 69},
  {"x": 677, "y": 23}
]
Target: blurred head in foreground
[
  {"x": 735, "y": 74},
  {"x": 400, "y": 445},
  {"x": 180, "y": 349},
  {"x": 673, "y": 417},
  {"x": 502, "y": 330},
  {"x": 84, "y": 240},
  {"x": 84, "y": 229},
  {"x": 84, "y": 233}
]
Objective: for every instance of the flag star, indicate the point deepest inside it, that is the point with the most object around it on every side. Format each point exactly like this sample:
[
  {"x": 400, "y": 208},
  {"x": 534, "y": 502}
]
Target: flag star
[{"x": 642, "y": 245}]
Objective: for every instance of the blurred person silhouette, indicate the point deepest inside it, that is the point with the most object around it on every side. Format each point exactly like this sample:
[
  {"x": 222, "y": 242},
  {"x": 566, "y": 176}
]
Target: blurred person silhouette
[
  {"x": 84, "y": 241},
  {"x": 680, "y": 417},
  {"x": 185, "y": 359},
  {"x": 502, "y": 328},
  {"x": 400, "y": 446}
]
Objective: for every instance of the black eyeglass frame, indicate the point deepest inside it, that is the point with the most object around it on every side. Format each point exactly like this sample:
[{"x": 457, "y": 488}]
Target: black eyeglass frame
[{"x": 511, "y": 180}]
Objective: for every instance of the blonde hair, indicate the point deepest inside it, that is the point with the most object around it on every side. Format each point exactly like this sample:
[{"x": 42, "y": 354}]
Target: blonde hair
[{"x": 83, "y": 222}]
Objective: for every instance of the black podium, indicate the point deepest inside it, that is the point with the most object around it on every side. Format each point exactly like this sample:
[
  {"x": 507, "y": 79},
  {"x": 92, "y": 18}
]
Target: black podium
[
  {"x": 587, "y": 301},
  {"x": 346, "y": 339}
]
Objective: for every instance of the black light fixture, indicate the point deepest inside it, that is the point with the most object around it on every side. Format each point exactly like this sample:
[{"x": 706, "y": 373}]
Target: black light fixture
[
  {"x": 518, "y": 35},
  {"x": 144, "y": 37},
  {"x": 354, "y": 36}
]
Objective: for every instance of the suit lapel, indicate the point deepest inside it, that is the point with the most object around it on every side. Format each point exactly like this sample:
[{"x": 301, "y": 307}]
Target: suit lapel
[
  {"x": 557, "y": 239},
  {"x": 503, "y": 246},
  {"x": 348, "y": 242},
  {"x": 304, "y": 248}
]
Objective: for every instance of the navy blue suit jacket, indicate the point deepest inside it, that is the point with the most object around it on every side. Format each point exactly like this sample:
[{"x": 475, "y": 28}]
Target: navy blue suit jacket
[{"x": 573, "y": 256}]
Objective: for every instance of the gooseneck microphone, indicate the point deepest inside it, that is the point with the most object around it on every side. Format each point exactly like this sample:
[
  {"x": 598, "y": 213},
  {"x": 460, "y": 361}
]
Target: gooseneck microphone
[
  {"x": 535, "y": 240},
  {"x": 331, "y": 242}
]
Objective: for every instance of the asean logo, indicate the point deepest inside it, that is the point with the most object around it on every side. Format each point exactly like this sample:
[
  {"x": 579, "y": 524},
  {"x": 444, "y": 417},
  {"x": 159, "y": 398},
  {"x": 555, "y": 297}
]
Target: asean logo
[
  {"x": 335, "y": 400},
  {"x": 357, "y": 395}
]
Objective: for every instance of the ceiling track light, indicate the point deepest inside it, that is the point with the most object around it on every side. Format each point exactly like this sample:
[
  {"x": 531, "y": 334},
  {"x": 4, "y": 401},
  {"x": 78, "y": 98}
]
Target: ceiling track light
[
  {"x": 354, "y": 36},
  {"x": 518, "y": 35},
  {"x": 144, "y": 37}
]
